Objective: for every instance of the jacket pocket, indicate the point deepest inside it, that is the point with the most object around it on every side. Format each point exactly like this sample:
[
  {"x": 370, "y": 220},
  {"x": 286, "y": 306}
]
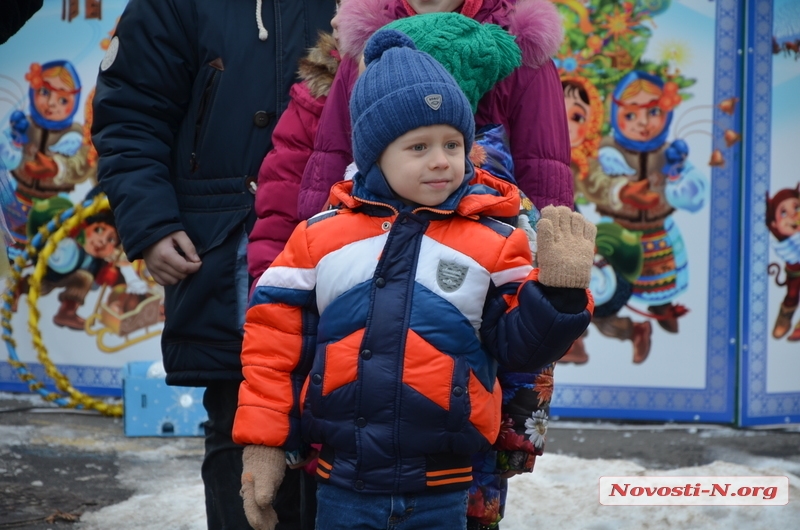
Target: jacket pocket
[
  {"x": 207, "y": 97},
  {"x": 209, "y": 229},
  {"x": 484, "y": 407},
  {"x": 212, "y": 208},
  {"x": 459, "y": 396},
  {"x": 341, "y": 362}
]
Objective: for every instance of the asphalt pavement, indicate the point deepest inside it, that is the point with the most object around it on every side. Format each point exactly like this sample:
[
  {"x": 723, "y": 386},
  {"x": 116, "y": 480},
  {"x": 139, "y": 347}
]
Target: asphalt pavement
[{"x": 57, "y": 464}]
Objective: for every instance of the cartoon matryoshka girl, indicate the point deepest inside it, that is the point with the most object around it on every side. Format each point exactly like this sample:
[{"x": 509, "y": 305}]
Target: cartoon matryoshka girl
[
  {"x": 54, "y": 152},
  {"x": 656, "y": 180},
  {"x": 619, "y": 257}
]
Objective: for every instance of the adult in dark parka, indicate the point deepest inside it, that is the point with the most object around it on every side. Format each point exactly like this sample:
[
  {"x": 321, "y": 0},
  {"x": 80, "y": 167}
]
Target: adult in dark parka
[
  {"x": 187, "y": 97},
  {"x": 14, "y": 14}
]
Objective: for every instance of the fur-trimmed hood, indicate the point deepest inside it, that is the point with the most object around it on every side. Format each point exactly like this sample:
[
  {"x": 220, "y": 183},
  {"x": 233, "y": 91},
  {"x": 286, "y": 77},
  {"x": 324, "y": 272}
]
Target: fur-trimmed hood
[
  {"x": 319, "y": 66},
  {"x": 536, "y": 24}
]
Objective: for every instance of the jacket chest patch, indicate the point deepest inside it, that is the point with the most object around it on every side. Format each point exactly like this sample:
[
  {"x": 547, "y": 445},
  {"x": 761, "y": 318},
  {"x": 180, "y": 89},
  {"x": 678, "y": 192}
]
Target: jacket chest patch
[{"x": 450, "y": 275}]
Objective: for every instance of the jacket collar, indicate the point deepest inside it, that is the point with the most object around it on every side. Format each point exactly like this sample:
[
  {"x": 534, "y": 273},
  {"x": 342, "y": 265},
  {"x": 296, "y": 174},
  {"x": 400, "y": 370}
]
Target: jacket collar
[
  {"x": 481, "y": 194},
  {"x": 319, "y": 66}
]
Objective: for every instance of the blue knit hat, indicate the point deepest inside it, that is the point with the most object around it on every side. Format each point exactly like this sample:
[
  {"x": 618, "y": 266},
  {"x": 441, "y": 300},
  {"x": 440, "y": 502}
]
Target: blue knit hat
[{"x": 402, "y": 89}]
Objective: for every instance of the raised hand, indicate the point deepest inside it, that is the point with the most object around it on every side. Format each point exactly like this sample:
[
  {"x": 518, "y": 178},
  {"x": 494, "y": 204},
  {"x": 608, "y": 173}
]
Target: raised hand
[{"x": 566, "y": 248}]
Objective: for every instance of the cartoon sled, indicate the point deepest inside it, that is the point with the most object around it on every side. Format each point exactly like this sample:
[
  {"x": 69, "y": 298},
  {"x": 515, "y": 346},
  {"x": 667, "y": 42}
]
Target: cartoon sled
[{"x": 123, "y": 314}]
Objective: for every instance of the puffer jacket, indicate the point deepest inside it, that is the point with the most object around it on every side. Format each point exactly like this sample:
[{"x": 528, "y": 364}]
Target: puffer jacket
[
  {"x": 186, "y": 99},
  {"x": 382, "y": 325},
  {"x": 293, "y": 143},
  {"x": 529, "y": 103}
]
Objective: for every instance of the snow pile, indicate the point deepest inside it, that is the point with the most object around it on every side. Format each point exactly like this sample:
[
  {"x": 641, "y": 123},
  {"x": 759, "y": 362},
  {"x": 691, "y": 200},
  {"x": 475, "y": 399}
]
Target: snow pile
[{"x": 561, "y": 493}]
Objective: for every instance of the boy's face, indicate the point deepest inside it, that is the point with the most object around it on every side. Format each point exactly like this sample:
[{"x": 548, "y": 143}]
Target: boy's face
[
  {"x": 101, "y": 240},
  {"x": 639, "y": 118},
  {"x": 787, "y": 216},
  {"x": 434, "y": 6},
  {"x": 54, "y": 104},
  {"x": 425, "y": 165}
]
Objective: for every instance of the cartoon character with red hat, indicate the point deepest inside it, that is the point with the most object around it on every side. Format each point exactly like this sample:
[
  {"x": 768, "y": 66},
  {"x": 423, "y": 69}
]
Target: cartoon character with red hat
[{"x": 80, "y": 262}]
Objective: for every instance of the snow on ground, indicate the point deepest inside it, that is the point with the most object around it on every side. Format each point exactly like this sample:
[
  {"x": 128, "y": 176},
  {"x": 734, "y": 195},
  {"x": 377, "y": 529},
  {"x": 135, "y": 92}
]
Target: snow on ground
[
  {"x": 171, "y": 505},
  {"x": 561, "y": 493}
]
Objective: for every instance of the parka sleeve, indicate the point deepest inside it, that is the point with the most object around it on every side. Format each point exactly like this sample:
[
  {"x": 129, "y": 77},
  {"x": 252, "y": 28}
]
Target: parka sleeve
[
  {"x": 279, "y": 179},
  {"x": 278, "y": 349},
  {"x": 522, "y": 328},
  {"x": 332, "y": 148},
  {"x": 525, "y": 414},
  {"x": 539, "y": 136},
  {"x": 143, "y": 91}
]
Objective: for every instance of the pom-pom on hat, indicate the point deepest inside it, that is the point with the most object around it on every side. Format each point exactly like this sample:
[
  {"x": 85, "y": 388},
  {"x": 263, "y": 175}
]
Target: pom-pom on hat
[
  {"x": 476, "y": 55},
  {"x": 402, "y": 89}
]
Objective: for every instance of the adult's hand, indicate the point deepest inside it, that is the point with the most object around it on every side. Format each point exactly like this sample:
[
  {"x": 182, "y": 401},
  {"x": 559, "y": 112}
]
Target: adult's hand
[{"x": 172, "y": 259}]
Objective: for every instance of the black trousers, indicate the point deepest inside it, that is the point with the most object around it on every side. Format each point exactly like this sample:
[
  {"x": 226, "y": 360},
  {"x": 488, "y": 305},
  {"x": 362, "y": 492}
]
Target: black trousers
[{"x": 295, "y": 501}]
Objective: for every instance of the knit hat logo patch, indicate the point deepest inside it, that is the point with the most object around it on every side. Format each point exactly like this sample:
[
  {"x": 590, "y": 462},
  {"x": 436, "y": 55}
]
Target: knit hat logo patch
[{"x": 434, "y": 101}]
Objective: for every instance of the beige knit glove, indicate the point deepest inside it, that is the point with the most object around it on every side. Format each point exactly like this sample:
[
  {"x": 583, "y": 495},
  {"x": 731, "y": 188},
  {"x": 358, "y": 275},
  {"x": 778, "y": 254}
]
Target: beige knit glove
[
  {"x": 566, "y": 248},
  {"x": 262, "y": 474}
]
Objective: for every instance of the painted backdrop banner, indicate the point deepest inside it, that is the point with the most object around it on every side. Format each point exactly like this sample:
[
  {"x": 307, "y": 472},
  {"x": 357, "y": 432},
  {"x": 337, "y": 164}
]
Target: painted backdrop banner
[
  {"x": 96, "y": 311},
  {"x": 771, "y": 281},
  {"x": 651, "y": 92}
]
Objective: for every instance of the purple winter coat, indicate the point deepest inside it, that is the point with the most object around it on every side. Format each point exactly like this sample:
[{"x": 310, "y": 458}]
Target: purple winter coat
[{"x": 529, "y": 102}]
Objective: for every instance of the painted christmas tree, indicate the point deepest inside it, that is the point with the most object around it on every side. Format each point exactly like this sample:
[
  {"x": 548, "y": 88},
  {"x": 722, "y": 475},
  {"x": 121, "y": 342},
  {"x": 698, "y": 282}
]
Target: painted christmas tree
[{"x": 606, "y": 39}]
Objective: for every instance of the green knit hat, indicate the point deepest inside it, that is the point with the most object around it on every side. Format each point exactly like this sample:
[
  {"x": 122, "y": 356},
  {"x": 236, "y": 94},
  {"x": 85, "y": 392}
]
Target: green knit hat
[{"x": 476, "y": 55}]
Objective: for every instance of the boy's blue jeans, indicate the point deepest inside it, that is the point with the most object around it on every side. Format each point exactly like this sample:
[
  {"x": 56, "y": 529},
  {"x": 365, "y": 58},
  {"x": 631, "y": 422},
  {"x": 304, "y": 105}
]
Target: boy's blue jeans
[{"x": 342, "y": 509}]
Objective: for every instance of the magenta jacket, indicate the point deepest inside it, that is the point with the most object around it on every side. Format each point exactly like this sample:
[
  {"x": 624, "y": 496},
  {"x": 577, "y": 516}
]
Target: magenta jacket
[
  {"x": 282, "y": 168},
  {"x": 529, "y": 103}
]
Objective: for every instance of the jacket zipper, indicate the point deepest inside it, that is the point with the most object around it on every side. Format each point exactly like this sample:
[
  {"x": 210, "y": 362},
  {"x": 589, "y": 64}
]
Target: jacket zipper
[
  {"x": 396, "y": 212},
  {"x": 431, "y": 209},
  {"x": 198, "y": 125},
  {"x": 375, "y": 203}
]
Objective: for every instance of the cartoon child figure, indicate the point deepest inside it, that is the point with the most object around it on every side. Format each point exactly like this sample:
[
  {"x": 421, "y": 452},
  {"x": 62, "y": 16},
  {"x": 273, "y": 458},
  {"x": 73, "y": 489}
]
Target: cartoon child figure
[
  {"x": 584, "y": 108},
  {"x": 80, "y": 262},
  {"x": 53, "y": 148},
  {"x": 783, "y": 220},
  {"x": 647, "y": 180}
]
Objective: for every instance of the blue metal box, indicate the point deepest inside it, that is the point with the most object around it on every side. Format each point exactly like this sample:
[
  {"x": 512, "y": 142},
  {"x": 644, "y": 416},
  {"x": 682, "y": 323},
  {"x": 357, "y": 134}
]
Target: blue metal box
[{"x": 154, "y": 409}]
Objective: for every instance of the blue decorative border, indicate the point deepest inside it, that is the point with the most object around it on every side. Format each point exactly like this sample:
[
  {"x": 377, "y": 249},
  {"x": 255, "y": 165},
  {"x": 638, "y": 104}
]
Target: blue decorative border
[
  {"x": 91, "y": 380},
  {"x": 757, "y": 406},
  {"x": 716, "y": 402}
]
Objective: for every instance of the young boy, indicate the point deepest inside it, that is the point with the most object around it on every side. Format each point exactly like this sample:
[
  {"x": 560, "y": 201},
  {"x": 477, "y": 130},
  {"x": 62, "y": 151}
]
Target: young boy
[{"x": 383, "y": 321}]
